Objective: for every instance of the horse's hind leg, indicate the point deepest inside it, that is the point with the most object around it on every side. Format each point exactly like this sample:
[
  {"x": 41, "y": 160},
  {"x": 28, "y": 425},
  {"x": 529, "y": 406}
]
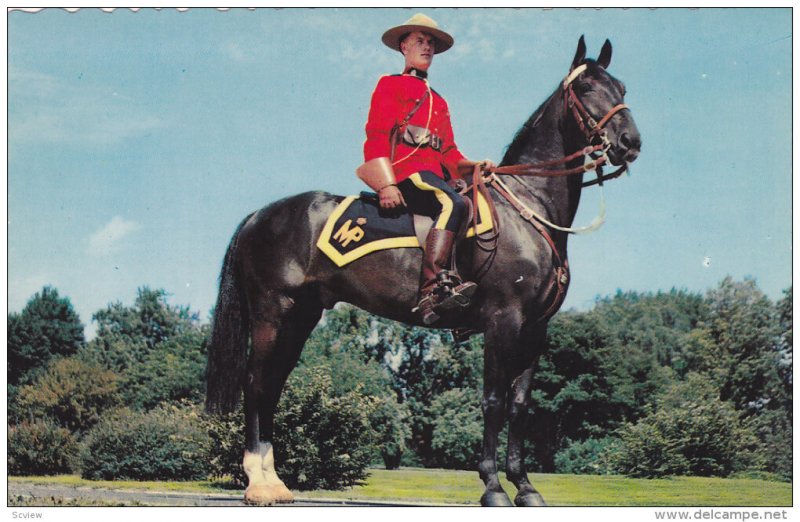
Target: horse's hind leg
[
  {"x": 279, "y": 329},
  {"x": 519, "y": 400}
]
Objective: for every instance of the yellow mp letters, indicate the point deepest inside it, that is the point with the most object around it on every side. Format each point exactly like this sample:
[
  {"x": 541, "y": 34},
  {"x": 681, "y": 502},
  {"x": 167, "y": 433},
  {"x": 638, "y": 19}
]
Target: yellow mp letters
[{"x": 345, "y": 234}]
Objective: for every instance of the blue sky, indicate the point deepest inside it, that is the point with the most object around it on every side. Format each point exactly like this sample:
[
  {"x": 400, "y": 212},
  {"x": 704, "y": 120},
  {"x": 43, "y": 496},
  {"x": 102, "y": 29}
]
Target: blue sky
[{"x": 138, "y": 141}]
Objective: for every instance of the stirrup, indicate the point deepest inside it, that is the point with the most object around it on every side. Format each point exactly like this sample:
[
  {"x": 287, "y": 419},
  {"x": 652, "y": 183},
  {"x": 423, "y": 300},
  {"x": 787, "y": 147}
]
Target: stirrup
[{"x": 458, "y": 297}]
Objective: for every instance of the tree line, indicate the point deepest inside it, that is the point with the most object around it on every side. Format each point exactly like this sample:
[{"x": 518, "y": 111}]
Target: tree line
[{"x": 643, "y": 384}]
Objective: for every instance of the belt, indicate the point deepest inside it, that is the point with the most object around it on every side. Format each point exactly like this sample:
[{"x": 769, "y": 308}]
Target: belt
[{"x": 422, "y": 137}]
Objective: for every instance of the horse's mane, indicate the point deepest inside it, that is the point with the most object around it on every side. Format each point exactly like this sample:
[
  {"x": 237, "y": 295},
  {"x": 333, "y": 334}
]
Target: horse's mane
[{"x": 525, "y": 134}]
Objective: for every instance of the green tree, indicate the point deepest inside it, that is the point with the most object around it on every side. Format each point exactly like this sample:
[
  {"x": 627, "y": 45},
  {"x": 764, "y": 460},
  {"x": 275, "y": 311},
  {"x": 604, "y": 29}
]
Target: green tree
[
  {"x": 785, "y": 316},
  {"x": 71, "y": 392},
  {"x": 428, "y": 365},
  {"x": 655, "y": 323},
  {"x": 151, "y": 319},
  {"x": 347, "y": 329},
  {"x": 323, "y": 440},
  {"x": 642, "y": 333},
  {"x": 166, "y": 443},
  {"x": 774, "y": 423},
  {"x": 225, "y": 433},
  {"x": 47, "y": 328},
  {"x": 690, "y": 432},
  {"x": 774, "y": 429},
  {"x": 605, "y": 367},
  {"x": 745, "y": 330},
  {"x": 414, "y": 364},
  {"x": 457, "y": 424},
  {"x": 343, "y": 346},
  {"x": 40, "y": 447},
  {"x": 572, "y": 392},
  {"x": 157, "y": 348},
  {"x": 391, "y": 423},
  {"x": 592, "y": 456},
  {"x": 784, "y": 307},
  {"x": 173, "y": 371}
]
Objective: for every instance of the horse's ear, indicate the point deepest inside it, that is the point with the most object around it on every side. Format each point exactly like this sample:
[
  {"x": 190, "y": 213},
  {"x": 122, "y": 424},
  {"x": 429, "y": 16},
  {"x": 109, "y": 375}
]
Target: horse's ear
[
  {"x": 605, "y": 55},
  {"x": 580, "y": 53}
]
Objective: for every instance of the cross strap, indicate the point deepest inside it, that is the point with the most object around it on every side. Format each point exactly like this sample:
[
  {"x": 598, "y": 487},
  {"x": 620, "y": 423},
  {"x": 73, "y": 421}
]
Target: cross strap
[{"x": 395, "y": 132}]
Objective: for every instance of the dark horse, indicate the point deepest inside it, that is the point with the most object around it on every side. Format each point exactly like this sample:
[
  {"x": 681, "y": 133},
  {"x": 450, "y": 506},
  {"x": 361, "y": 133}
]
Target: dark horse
[{"x": 275, "y": 283}]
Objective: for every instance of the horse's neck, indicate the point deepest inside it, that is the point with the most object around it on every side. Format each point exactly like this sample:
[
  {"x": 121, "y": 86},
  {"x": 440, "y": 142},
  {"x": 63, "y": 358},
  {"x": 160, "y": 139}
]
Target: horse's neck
[{"x": 556, "y": 197}]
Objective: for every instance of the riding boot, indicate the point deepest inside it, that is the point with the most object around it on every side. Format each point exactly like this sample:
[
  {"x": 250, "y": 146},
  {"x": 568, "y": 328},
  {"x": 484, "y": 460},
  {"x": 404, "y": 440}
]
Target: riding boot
[{"x": 440, "y": 289}]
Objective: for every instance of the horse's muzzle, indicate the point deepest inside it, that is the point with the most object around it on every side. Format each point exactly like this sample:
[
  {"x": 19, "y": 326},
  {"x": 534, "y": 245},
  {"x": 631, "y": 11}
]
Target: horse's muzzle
[{"x": 627, "y": 149}]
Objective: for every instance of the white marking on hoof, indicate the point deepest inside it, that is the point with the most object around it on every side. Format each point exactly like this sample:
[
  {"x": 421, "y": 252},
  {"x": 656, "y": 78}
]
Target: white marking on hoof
[
  {"x": 264, "y": 486},
  {"x": 261, "y": 495}
]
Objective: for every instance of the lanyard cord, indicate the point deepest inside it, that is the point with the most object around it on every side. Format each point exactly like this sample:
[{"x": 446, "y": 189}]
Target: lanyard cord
[{"x": 427, "y": 124}]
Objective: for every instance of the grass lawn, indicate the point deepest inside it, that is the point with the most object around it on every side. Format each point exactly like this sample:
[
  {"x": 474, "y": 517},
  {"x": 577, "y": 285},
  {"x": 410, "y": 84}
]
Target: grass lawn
[
  {"x": 464, "y": 487},
  {"x": 203, "y": 486}
]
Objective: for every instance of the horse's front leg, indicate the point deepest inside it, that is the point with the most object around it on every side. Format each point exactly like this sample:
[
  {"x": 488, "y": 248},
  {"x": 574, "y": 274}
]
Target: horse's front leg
[
  {"x": 519, "y": 401},
  {"x": 499, "y": 338}
]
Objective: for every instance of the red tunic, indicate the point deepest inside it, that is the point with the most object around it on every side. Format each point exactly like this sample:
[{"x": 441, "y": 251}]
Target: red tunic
[{"x": 395, "y": 97}]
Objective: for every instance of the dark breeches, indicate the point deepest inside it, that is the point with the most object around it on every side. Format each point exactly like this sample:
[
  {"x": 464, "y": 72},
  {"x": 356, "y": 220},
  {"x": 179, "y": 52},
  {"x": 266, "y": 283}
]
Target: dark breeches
[{"x": 429, "y": 195}]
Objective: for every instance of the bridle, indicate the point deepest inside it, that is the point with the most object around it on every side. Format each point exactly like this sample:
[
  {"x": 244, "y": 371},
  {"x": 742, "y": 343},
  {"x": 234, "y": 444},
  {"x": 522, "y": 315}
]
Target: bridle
[
  {"x": 597, "y": 150},
  {"x": 596, "y": 137},
  {"x": 585, "y": 121}
]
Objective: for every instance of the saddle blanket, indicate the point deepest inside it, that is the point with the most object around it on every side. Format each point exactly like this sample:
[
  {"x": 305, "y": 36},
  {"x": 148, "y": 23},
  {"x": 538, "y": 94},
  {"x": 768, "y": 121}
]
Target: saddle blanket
[{"x": 359, "y": 226}]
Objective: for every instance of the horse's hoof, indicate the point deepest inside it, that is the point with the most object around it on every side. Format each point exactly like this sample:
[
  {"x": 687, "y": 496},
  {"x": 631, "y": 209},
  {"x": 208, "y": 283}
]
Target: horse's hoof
[
  {"x": 262, "y": 495},
  {"x": 529, "y": 499},
  {"x": 496, "y": 499}
]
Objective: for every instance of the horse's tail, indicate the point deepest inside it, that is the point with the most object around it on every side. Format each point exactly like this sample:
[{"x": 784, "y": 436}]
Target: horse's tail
[{"x": 227, "y": 351}]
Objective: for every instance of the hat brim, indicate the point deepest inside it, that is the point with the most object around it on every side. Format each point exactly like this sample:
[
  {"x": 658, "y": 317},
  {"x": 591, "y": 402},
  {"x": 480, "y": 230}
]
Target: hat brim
[{"x": 392, "y": 37}]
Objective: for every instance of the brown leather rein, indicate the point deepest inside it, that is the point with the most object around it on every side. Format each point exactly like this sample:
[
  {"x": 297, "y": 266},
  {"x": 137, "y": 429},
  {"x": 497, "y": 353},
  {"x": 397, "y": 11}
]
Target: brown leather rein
[{"x": 593, "y": 130}]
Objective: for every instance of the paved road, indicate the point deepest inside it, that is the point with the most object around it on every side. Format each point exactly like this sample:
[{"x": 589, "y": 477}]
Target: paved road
[{"x": 155, "y": 498}]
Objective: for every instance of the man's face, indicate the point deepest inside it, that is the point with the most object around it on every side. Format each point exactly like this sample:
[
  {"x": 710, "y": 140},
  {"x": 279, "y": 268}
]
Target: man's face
[{"x": 418, "y": 48}]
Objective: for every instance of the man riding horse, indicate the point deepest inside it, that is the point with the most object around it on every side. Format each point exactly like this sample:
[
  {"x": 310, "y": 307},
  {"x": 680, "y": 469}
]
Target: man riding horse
[
  {"x": 409, "y": 155},
  {"x": 276, "y": 282}
]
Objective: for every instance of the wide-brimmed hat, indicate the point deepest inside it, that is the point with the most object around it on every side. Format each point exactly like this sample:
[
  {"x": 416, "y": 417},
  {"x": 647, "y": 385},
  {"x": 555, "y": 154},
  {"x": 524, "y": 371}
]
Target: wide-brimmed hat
[{"x": 418, "y": 22}]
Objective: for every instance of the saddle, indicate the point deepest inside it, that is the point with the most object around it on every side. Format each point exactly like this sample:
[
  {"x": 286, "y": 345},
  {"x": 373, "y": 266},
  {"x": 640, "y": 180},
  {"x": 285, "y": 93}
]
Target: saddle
[{"x": 359, "y": 226}]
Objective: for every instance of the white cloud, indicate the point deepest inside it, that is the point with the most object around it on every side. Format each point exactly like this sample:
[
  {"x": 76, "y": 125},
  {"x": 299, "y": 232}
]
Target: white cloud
[
  {"x": 108, "y": 238},
  {"x": 46, "y": 109},
  {"x": 491, "y": 35},
  {"x": 365, "y": 64},
  {"x": 33, "y": 84}
]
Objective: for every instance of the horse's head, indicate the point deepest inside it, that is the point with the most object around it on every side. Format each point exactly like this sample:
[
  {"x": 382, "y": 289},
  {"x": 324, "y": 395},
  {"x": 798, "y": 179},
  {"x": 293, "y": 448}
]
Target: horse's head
[{"x": 596, "y": 101}]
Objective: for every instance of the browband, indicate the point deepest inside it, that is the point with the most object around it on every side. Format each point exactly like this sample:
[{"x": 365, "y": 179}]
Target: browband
[{"x": 574, "y": 74}]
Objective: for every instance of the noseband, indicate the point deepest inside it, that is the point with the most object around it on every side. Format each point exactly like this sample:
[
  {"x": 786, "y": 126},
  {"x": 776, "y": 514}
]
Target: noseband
[{"x": 591, "y": 128}]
